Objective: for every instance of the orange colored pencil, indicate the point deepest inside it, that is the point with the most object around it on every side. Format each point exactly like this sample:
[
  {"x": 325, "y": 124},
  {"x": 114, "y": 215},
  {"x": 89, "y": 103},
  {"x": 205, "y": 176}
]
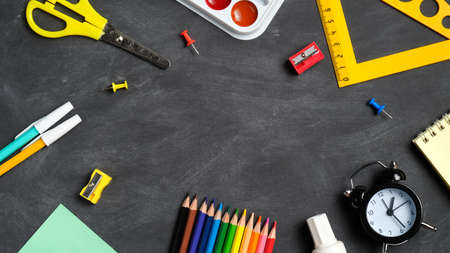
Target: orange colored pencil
[
  {"x": 255, "y": 237},
  {"x": 247, "y": 234}
]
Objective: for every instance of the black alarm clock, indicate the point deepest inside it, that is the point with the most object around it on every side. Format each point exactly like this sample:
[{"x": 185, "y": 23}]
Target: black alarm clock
[{"x": 390, "y": 212}]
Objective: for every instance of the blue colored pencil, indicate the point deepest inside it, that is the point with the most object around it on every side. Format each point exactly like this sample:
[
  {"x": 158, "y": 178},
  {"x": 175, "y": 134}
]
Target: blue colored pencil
[
  {"x": 207, "y": 228},
  {"x": 214, "y": 229},
  {"x": 198, "y": 227}
]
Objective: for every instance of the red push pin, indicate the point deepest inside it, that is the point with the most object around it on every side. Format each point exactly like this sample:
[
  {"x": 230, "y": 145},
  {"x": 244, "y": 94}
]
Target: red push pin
[{"x": 189, "y": 40}]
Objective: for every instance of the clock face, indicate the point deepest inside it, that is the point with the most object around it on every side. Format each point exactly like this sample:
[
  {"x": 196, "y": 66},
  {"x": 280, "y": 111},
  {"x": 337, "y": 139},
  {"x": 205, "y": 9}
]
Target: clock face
[{"x": 391, "y": 212}]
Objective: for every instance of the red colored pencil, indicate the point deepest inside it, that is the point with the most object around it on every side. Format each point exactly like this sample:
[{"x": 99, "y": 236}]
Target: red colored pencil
[{"x": 271, "y": 239}]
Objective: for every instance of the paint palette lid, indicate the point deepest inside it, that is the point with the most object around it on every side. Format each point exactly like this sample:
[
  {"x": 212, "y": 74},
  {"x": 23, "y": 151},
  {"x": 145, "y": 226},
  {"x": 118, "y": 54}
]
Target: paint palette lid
[{"x": 242, "y": 19}]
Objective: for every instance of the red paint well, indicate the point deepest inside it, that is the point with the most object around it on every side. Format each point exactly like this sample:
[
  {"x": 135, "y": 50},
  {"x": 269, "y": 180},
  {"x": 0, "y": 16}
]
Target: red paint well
[
  {"x": 218, "y": 4},
  {"x": 244, "y": 13}
]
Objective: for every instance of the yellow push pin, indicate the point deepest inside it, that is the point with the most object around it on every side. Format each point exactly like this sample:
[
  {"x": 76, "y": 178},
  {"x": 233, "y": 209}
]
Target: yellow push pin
[{"x": 117, "y": 86}]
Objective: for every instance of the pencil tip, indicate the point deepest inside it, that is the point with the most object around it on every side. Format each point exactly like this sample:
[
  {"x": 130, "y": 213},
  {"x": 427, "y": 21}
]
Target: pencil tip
[
  {"x": 220, "y": 206},
  {"x": 236, "y": 212},
  {"x": 259, "y": 219},
  {"x": 267, "y": 220}
]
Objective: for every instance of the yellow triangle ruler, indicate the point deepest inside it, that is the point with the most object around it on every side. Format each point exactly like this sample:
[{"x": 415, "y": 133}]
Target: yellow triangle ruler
[
  {"x": 349, "y": 71},
  {"x": 412, "y": 9}
]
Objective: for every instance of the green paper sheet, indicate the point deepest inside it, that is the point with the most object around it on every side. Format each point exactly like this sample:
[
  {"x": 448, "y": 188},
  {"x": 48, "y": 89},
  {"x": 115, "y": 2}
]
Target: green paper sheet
[{"x": 63, "y": 232}]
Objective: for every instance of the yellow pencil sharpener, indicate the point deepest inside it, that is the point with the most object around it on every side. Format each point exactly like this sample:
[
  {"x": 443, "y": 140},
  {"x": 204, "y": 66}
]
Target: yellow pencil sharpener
[{"x": 93, "y": 190}]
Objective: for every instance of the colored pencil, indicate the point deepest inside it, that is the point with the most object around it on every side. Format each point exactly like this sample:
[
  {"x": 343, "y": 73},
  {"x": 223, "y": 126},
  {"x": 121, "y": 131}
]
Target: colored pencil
[
  {"x": 263, "y": 238},
  {"x": 239, "y": 233},
  {"x": 189, "y": 225},
  {"x": 247, "y": 234},
  {"x": 231, "y": 232},
  {"x": 181, "y": 224},
  {"x": 207, "y": 228},
  {"x": 197, "y": 232},
  {"x": 214, "y": 229},
  {"x": 222, "y": 232},
  {"x": 271, "y": 239},
  {"x": 255, "y": 237}
]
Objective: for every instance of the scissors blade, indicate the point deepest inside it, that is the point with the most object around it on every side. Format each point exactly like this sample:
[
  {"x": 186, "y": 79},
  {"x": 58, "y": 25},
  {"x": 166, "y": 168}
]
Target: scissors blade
[{"x": 117, "y": 38}]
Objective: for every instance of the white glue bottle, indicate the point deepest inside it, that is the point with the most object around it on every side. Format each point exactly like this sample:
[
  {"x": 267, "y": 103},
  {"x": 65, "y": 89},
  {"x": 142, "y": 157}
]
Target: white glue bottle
[{"x": 323, "y": 236}]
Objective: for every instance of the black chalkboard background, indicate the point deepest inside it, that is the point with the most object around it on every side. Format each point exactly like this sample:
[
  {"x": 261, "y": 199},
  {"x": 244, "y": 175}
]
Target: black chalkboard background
[{"x": 235, "y": 124}]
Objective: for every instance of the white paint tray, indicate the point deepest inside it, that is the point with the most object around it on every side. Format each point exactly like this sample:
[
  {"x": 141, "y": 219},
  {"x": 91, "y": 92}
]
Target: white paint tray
[{"x": 242, "y": 19}]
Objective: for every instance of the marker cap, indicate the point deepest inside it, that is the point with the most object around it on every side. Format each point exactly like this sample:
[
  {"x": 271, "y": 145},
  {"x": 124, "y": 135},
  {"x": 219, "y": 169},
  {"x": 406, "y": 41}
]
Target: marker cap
[
  {"x": 321, "y": 231},
  {"x": 54, "y": 134},
  {"x": 46, "y": 122}
]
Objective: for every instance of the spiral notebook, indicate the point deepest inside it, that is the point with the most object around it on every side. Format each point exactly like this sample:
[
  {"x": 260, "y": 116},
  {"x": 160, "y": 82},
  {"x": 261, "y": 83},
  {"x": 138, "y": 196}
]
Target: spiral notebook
[{"x": 434, "y": 143}]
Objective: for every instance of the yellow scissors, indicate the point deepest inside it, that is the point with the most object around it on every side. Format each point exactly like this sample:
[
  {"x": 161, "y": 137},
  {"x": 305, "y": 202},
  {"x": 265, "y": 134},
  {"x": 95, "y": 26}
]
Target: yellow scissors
[{"x": 93, "y": 26}]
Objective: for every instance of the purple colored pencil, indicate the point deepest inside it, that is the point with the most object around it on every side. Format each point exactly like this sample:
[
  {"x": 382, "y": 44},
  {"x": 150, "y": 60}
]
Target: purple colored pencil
[
  {"x": 207, "y": 228},
  {"x": 198, "y": 227}
]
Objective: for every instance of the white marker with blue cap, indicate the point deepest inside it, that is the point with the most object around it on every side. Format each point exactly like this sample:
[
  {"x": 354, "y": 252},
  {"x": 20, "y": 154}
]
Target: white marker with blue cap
[{"x": 35, "y": 129}]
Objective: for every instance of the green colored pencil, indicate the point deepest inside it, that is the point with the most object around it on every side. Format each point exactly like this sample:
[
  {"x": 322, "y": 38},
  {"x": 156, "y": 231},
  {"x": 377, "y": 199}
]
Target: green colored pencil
[
  {"x": 231, "y": 233},
  {"x": 222, "y": 232}
]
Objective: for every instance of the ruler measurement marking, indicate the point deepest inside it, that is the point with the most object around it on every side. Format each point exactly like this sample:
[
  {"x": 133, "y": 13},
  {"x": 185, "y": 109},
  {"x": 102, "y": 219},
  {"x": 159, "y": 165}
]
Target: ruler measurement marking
[{"x": 332, "y": 34}]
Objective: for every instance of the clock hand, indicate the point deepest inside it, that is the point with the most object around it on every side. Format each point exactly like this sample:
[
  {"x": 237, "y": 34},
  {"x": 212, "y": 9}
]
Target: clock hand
[
  {"x": 382, "y": 200},
  {"x": 395, "y": 217},
  {"x": 391, "y": 206},
  {"x": 400, "y": 205},
  {"x": 389, "y": 211}
]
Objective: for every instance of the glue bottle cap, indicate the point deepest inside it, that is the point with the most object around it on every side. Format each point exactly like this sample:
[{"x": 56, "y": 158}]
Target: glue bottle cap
[
  {"x": 46, "y": 122},
  {"x": 54, "y": 134},
  {"x": 321, "y": 231}
]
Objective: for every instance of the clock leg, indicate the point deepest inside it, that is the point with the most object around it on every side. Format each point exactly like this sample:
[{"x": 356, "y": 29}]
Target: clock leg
[
  {"x": 430, "y": 227},
  {"x": 385, "y": 247}
]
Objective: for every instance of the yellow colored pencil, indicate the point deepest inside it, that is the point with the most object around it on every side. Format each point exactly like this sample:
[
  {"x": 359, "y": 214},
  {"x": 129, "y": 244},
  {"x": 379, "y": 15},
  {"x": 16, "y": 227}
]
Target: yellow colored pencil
[
  {"x": 22, "y": 156},
  {"x": 239, "y": 233},
  {"x": 247, "y": 234}
]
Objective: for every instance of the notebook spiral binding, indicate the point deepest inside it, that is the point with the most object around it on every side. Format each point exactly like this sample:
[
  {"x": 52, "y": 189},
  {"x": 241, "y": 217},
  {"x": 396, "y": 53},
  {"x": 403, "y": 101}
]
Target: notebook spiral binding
[{"x": 435, "y": 128}]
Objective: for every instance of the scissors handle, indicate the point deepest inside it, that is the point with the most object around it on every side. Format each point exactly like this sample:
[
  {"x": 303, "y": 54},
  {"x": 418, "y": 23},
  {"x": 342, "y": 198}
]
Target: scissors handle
[
  {"x": 92, "y": 26},
  {"x": 118, "y": 39}
]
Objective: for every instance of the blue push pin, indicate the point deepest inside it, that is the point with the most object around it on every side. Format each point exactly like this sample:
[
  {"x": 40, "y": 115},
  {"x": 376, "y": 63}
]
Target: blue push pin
[{"x": 379, "y": 108}]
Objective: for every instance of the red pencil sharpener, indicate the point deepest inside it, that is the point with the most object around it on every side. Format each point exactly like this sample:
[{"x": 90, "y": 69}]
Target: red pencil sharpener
[{"x": 306, "y": 58}]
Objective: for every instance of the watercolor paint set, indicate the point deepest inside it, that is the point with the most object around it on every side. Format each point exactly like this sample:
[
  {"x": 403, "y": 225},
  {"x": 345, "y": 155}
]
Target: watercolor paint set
[{"x": 242, "y": 19}]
